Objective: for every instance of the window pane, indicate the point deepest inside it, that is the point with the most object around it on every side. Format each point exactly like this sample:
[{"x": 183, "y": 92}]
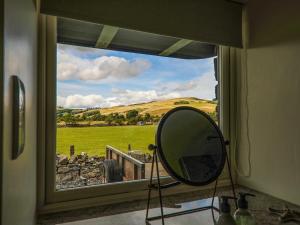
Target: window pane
[{"x": 109, "y": 104}]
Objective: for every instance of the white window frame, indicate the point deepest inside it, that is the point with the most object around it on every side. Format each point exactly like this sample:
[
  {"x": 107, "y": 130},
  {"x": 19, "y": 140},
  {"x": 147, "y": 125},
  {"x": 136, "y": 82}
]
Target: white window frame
[{"x": 52, "y": 200}]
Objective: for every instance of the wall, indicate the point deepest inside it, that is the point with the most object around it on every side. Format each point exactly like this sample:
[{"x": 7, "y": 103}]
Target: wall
[
  {"x": 20, "y": 58},
  {"x": 1, "y": 98},
  {"x": 271, "y": 64}
]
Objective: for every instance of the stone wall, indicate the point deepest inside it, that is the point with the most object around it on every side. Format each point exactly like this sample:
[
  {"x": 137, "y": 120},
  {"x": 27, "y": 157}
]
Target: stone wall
[
  {"x": 79, "y": 170},
  {"x": 139, "y": 155},
  {"x": 83, "y": 170}
]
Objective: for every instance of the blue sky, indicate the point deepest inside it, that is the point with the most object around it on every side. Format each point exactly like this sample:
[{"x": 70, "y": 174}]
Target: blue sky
[{"x": 89, "y": 77}]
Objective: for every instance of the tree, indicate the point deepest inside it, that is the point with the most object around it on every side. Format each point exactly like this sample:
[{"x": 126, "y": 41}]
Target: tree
[
  {"x": 156, "y": 119},
  {"x": 96, "y": 116},
  {"x": 109, "y": 118},
  {"x": 132, "y": 114},
  {"x": 132, "y": 121},
  {"x": 147, "y": 117},
  {"x": 69, "y": 118}
]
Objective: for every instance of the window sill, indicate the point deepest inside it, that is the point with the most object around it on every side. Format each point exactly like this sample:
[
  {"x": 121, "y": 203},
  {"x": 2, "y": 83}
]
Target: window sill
[{"x": 125, "y": 197}]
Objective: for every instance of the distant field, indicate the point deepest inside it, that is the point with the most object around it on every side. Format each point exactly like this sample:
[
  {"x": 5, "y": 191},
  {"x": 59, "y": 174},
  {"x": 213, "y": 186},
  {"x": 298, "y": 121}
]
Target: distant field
[
  {"x": 162, "y": 106},
  {"x": 93, "y": 140}
]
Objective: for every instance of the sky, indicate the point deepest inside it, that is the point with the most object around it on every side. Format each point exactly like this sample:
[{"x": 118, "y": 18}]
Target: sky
[{"x": 89, "y": 77}]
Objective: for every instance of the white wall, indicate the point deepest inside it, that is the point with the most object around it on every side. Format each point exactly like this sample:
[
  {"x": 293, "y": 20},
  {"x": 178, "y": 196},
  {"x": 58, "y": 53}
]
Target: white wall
[
  {"x": 273, "y": 71},
  {"x": 20, "y": 58}
]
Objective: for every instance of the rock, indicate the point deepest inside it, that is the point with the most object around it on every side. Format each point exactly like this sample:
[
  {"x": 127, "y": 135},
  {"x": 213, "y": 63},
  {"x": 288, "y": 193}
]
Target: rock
[
  {"x": 84, "y": 154},
  {"x": 63, "y": 169},
  {"x": 79, "y": 170},
  {"x": 139, "y": 155},
  {"x": 66, "y": 178},
  {"x": 63, "y": 160},
  {"x": 73, "y": 159},
  {"x": 74, "y": 167},
  {"x": 95, "y": 157},
  {"x": 91, "y": 175},
  {"x": 82, "y": 181},
  {"x": 101, "y": 158}
]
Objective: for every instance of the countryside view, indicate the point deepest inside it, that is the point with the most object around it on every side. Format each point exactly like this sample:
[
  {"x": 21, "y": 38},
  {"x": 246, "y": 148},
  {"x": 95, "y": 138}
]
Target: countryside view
[{"x": 109, "y": 104}]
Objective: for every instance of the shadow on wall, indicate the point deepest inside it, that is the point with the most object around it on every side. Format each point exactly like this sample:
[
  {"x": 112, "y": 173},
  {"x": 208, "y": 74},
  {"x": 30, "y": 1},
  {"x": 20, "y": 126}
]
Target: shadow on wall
[{"x": 267, "y": 28}]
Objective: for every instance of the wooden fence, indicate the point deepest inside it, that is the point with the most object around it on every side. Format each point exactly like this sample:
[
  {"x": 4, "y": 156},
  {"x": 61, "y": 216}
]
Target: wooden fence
[{"x": 132, "y": 169}]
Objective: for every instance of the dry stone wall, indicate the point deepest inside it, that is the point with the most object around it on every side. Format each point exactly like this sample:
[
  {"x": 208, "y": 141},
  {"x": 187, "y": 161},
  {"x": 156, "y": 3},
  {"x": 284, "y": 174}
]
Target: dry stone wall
[
  {"x": 83, "y": 170},
  {"x": 79, "y": 170}
]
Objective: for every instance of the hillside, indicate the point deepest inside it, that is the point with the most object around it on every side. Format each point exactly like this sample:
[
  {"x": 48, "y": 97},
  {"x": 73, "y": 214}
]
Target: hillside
[{"x": 157, "y": 108}]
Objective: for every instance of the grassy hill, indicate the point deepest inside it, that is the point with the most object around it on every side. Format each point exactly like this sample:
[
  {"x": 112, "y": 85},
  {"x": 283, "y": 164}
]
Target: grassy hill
[
  {"x": 93, "y": 140},
  {"x": 157, "y": 108}
]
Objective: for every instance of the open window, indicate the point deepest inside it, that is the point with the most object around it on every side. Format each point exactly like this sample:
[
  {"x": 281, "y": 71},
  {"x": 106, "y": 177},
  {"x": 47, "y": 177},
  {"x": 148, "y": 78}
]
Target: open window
[{"x": 106, "y": 89}]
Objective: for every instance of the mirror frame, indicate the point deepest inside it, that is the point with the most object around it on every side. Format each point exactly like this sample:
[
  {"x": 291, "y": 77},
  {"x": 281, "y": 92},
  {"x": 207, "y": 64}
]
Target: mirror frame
[{"x": 165, "y": 163}]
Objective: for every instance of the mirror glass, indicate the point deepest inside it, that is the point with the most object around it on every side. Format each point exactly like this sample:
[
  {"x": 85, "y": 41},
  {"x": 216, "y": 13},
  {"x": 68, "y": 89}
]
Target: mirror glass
[{"x": 190, "y": 146}]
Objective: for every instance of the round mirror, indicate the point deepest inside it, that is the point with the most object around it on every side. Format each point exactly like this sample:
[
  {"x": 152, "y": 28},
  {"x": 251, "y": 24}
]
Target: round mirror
[{"x": 190, "y": 146}]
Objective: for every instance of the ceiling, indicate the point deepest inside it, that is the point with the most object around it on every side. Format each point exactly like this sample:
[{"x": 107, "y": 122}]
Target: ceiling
[{"x": 75, "y": 32}]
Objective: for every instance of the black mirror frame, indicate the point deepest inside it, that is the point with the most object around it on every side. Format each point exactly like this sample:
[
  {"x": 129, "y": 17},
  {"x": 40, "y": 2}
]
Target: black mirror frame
[{"x": 163, "y": 160}]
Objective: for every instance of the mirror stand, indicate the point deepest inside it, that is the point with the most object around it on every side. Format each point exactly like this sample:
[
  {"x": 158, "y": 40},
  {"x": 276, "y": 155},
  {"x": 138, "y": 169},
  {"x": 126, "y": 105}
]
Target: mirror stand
[{"x": 159, "y": 187}]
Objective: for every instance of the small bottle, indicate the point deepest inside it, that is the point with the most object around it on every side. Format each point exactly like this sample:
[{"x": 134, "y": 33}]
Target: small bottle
[
  {"x": 225, "y": 217},
  {"x": 242, "y": 215}
]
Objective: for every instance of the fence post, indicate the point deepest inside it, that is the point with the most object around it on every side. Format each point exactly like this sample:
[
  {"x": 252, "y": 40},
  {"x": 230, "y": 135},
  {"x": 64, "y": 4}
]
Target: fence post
[{"x": 72, "y": 150}]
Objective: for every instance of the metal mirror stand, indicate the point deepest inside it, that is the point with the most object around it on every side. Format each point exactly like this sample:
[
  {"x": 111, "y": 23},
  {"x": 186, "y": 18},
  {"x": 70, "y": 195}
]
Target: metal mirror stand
[{"x": 158, "y": 187}]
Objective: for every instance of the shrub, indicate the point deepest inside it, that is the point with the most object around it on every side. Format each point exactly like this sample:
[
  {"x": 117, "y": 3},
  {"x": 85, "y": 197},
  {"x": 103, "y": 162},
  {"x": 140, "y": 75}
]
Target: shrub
[{"x": 182, "y": 102}]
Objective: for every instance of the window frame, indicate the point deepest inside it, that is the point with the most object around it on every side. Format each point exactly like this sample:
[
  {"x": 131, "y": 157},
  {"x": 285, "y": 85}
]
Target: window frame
[{"x": 51, "y": 200}]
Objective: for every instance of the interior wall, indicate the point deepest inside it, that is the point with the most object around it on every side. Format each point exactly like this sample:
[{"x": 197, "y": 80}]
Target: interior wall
[
  {"x": 1, "y": 98},
  {"x": 270, "y": 85},
  {"x": 20, "y": 58}
]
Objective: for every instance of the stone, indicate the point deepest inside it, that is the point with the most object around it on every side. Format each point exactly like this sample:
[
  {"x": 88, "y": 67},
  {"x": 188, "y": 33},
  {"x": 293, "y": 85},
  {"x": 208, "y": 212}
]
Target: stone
[
  {"x": 139, "y": 155},
  {"x": 74, "y": 167},
  {"x": 68, "y": 177},
  {"x": 79, "y": 170},
  {"x": 63, "y": 169},
  {"x": 84, "y": 155},
  {"x": 73, "y": 159},
  {"x": 101, "y": 158},
  {"x": 91, "y": 174},
  {"x": 63, "y": 160}
]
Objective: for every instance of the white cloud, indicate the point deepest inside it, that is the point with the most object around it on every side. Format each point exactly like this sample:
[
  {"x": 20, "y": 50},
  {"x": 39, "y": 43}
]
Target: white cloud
[
  {"x": 80, "y": 101},
  {"x": 81, "y": 52},
  {"x": 201, "y": 87},
  {"x": 204, "y": 88},
  {"x": 186, "y": 86},
  {"x": 130, "y": 97},
  {"x": 125, "y": 97},
  {"x": 73, "y": 67}
]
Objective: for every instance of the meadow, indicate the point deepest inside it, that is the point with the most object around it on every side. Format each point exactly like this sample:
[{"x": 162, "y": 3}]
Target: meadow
[{"x": 93, "y": 140}]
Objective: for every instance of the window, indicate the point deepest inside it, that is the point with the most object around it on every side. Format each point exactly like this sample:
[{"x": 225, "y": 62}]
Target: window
[
  {"x": 109, "y": 104},
  {"x": 103, "y": 106}
]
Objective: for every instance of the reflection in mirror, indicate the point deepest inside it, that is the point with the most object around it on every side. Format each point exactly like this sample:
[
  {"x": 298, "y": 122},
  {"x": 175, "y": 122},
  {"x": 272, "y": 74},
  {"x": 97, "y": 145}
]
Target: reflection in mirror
[{"x": 190, "y": 146}]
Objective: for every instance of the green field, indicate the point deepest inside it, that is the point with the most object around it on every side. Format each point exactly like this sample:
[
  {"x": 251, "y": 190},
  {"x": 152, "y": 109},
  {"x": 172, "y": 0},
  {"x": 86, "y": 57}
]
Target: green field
[{"x": 93, "y": 140}]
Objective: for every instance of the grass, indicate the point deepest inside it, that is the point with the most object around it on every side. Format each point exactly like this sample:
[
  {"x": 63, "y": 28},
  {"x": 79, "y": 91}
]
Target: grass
[{"x": 93, "y": 140}]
